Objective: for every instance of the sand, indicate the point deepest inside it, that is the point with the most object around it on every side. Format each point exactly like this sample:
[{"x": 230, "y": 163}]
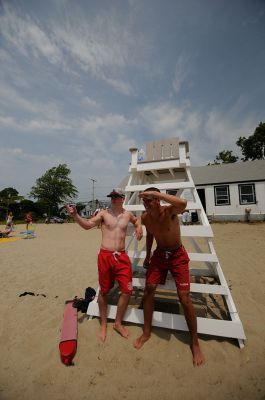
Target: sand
[{"x": 60, "y": 263}]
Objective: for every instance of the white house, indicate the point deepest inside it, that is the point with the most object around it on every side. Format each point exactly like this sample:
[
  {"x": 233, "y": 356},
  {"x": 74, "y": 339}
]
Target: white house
[{"x": 232, "y": 192}]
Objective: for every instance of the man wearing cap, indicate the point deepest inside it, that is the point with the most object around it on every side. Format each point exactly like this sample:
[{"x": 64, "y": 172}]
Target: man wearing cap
[{"x": 113, "y": 262}]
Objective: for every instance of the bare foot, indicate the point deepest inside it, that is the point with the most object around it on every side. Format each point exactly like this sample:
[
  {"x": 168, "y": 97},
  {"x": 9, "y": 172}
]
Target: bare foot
[
  {"x": 102, "y": 333},
  {"x": 141, "y": 341},
  {"x": 121, "y": 330},
  {"x": 198, "y": 357}
]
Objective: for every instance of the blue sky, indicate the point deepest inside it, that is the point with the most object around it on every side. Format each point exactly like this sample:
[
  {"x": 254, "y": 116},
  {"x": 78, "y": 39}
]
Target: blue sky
[{"x": 83, "y": 81}]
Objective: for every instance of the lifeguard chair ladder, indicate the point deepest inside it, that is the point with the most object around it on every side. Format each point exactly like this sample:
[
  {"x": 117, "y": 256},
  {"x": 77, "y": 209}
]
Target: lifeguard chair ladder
[{"x": 167, "y": 167}]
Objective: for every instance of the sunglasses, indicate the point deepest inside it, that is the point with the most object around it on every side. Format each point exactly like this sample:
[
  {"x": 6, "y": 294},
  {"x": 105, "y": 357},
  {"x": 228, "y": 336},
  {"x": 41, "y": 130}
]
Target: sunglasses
[{"x": 117, "y": 197}]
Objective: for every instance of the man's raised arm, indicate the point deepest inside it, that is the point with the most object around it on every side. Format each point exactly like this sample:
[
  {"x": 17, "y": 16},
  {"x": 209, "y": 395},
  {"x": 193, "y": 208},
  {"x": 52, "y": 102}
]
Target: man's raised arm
[
  {"x": 177, "y": 202},
  {"x": 84, "y": 223}
]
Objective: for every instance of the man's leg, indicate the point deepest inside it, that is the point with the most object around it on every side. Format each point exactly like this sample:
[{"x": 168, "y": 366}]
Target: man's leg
[
  {"x": 121, "y": 309},
  {"x": 184, "y": 297},
  {"x": 102, "y": 304},
  {"x": 149, "y": 294}
]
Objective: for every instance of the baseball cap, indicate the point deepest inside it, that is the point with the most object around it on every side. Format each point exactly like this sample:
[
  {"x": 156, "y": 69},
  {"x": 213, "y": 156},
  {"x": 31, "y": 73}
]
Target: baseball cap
[{"x": 117, "y": 192}]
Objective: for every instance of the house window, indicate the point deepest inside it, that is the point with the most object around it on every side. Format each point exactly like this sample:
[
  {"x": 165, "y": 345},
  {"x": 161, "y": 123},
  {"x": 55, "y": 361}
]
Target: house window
[
  {"x": 222, "y": 196},
  {"x": 247, "y": 193}
]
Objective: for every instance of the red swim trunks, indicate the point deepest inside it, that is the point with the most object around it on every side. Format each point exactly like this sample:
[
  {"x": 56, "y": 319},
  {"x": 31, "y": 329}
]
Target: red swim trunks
[
  {"x": 114, "y": 266},
  {"x": 176, "y": 261}
]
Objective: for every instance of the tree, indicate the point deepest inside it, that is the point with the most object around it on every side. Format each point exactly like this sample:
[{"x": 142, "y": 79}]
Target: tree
[
  {"x": 9, "y": 197},
  {"x": 54, "y": 188},
  {"x": 253, "y": 147},
  {"x": 224, "y": 157}
]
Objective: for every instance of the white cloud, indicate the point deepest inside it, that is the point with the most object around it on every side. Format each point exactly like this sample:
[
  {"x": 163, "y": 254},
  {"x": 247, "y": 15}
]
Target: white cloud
[
  {"x": 27, "y": 36},
  {"x": 87, "y": 101},
  {"x": 119, "y": 86},
  {"x": 167, "y": 120},
  {"x": 181, "y": 72}
]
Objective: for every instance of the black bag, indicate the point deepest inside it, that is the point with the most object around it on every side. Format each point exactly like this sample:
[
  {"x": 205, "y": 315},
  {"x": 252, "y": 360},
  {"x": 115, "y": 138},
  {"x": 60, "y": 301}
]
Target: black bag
[{"x": 82, "y": 304}]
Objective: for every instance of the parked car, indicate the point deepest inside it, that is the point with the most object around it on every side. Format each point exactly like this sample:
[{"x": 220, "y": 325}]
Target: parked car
[{"x": 56, "y": 220}]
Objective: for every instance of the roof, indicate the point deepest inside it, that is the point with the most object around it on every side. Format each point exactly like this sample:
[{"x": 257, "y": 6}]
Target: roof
[{"x": 229, "y": 173}]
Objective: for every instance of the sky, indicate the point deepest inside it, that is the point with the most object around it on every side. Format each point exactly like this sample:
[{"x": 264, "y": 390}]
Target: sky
[{"x": 83, "y": 81}]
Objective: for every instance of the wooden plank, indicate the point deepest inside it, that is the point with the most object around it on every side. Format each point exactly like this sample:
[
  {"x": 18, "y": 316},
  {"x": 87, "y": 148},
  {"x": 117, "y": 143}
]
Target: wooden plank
[
  {"x": 201, "y": 257},
  {"x": 194, "y": 287},
  {"x": 196, "y": 231},
  {"x": 161, "y": 186},
  {"x": 191, "y": 205},
  {"x": 206, "y": 326},
  {"x": 155, "y": 165},
  {"x": 193, "y": 271}
]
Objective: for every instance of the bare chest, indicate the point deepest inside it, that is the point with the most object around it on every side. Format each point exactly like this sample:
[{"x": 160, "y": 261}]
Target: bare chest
[
  {"x": 119, "y": 221},
  {"x": 163, "y": 224}
]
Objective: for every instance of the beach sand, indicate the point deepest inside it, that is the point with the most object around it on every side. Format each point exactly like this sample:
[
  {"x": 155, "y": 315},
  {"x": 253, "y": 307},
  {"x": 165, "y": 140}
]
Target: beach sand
[{"x": 60, "y": 263}]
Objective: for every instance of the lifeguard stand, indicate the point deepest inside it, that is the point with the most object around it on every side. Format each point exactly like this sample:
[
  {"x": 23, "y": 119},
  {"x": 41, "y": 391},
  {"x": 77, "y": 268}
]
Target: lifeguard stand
[{"x": 167, "y": 167}]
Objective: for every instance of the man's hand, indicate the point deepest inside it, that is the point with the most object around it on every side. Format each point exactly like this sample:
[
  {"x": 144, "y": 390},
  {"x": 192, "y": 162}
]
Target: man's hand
[
  {"x": 71, "y": 210},
  {"x": 146, "y": 262},
  {"x": 139, "y": 232},
  {"x": 149, "y": 195}
]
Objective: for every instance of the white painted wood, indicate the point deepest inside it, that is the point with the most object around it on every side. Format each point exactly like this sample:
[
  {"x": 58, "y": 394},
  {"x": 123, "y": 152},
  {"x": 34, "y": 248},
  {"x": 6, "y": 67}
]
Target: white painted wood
[
  {"x": 201, "y": 257},
  {"x": 194, "y": 287},
  {"x": 191, "y": 205},
  {"x": 160, "y": 186},
  {"x": 177, "y": 322},
  {"x": 196, "y": 231}
]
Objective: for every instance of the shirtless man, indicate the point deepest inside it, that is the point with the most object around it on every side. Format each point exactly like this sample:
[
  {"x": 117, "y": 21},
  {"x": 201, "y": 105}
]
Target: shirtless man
[
  {"x": 113, "y": 262},
  {"x": 162, "y": 223}
]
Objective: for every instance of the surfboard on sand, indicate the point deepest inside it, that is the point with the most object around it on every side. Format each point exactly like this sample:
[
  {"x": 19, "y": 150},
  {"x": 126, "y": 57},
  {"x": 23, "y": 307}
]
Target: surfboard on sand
[{"x": 68, "y": 340}]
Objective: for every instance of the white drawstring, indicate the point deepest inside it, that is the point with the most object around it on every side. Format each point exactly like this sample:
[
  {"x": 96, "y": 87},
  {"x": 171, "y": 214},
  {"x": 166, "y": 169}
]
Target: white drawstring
[{"x": 115, "y": 254}]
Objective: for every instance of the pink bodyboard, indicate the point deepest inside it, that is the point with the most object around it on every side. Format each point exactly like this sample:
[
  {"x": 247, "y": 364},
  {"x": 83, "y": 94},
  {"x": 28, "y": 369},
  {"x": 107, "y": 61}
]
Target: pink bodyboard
[{"x": 68, "y": 340}]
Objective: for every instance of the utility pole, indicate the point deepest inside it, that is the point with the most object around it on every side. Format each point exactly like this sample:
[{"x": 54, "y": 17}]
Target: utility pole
[{"x": 93, "y": 198}]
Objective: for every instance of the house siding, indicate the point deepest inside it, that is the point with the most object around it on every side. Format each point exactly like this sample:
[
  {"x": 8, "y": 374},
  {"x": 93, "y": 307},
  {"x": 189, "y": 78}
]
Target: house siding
[{"x": 235, "y": 211}]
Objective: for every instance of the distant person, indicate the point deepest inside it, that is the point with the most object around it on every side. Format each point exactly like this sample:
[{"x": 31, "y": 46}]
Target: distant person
[
  {"x": 113, "y": 262},
  {"x": 9, "y": 221},
  {"x": 162, "y": 224},
  {"x": 28, "y": 220},
  {"x": 6, "y": 232},
  {"x": 186, "y": 217}
]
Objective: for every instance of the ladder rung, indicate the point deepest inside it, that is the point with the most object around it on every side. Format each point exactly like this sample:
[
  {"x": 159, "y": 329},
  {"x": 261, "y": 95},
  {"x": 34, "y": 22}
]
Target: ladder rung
[
  {"x": 160, "y": 186},
  {"x": 194, "y": 287},
  {"x": 201, "y": 257}
]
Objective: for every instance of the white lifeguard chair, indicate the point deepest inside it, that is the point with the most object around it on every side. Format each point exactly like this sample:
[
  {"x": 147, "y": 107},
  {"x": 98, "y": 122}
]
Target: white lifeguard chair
[{"x": 167, "y": 167}]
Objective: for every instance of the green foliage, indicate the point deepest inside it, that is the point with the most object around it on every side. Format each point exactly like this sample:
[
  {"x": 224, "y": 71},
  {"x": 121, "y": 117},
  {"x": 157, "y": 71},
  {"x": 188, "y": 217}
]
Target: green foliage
[
  {"x": 54, "y": 188},
  {"x": 9, "y": 201},
  {"x": 253, "y": 147},
  {"x": 224, "y": 157},
  {"x": 8, "y": 192}
]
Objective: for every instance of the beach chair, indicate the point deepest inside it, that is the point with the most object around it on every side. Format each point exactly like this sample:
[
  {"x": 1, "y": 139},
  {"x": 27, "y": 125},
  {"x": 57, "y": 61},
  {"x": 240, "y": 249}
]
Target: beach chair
[{"x": 167, "y": 167}]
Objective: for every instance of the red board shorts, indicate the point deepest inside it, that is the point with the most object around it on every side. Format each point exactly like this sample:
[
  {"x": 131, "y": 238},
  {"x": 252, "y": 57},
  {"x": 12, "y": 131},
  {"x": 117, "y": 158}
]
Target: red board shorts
[
  {"x": 176, "y": 261},
  {"x": 114, "y": 266}
]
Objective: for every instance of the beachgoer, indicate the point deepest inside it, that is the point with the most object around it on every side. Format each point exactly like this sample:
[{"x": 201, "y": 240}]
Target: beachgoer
[
  {"x": 28, "y": 219},
  {"x": 162, "y": 223},
  {"x": 113, "y": 262},
  {"x": 6, "y": 232},
  {"x": 186, "y": 218},
  {"x": 9, "y": 221}
]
